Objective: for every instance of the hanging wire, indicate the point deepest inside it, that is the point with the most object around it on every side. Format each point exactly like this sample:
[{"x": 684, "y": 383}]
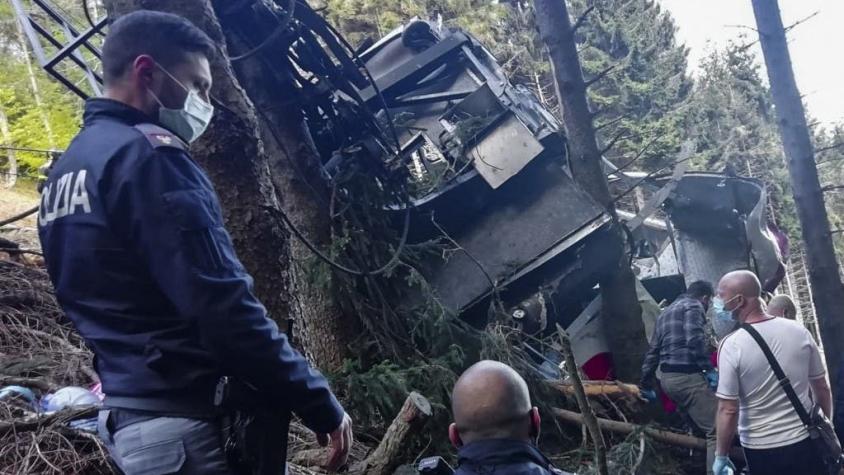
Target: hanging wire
[
  {"x": 280, "y": 29},
  {"x": 375, "y": 88},
  {"x": 360, "y": 273}
]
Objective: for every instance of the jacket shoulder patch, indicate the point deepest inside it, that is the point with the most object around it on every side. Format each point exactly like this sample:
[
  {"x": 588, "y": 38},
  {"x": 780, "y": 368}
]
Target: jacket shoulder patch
[{"x": 160, "y": 137}]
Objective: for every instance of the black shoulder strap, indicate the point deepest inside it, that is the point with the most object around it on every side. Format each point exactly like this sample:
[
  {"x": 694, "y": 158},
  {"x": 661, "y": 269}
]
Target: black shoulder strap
[
  {"x": 781, "y": 377},
  {"x": 160, "y": 137}
]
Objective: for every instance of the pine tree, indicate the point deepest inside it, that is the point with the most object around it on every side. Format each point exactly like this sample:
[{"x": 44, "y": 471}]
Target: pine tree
[
  {"x": 642, "y": 96},
  {"x": 732, "y": 118}
]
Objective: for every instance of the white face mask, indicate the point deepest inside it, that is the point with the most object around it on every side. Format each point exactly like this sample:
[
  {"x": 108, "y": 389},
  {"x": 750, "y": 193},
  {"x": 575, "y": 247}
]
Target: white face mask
[{"x": 191, "y": 120}]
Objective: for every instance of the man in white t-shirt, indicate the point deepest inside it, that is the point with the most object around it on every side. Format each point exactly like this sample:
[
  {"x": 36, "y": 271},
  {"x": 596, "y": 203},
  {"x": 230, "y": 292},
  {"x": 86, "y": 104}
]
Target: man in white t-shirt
[{"x": 774, "y": 438}]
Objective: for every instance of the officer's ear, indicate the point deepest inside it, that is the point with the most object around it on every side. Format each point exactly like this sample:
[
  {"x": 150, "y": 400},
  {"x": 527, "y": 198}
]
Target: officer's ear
[
  {"x": 454, "y": 436},
  {"x": 143, "y": 70},
  {"x": 535, "y": 423}
]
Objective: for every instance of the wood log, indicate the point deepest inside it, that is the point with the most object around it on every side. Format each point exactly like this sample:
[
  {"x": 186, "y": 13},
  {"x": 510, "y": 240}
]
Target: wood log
[
  {"x": 664, "y": 436},
  {"x": 385, "y": 458},
  {"x": 602, "y": 388}
]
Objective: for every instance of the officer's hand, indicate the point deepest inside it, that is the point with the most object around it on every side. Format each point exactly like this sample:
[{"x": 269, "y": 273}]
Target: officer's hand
[
  {"x": 341, "y": 443},
  {"x": 723, "y": 466}
]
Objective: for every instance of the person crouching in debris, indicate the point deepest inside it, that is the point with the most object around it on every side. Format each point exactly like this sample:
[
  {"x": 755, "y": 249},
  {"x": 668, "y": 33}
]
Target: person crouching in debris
[
  {"x": 679, "y": 348},
  {"x": 134, "y": 243},
  {"x": 750, "y": 395},
  {"x": 495, "y": 428}
]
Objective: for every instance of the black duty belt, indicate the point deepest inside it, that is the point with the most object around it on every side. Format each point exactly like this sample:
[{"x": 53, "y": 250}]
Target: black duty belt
[
  {"x": 680, "y": 368},
  {"x": 162, "y": 406}
]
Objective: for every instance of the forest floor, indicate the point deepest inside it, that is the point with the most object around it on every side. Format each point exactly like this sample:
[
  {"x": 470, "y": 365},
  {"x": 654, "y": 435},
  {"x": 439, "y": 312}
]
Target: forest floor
[{"x": 16, "y": 200}]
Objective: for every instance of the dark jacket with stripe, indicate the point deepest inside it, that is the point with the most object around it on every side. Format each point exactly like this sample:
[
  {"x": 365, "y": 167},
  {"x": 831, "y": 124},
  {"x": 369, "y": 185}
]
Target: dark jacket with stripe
[
  {"x": 503, "y": 457},
  {"x": 135, "y": 246}
]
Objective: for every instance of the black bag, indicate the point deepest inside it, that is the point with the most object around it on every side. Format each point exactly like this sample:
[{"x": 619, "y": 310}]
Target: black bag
[{"x": 819, "y": 426}]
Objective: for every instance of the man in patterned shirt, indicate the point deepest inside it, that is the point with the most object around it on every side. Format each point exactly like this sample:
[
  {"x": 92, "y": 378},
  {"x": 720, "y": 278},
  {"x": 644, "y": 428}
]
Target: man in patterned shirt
[{"x": 679, "y": 348}]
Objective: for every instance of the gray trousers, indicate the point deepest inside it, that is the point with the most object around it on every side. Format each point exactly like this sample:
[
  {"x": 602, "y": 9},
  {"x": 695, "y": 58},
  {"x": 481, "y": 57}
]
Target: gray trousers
[
  {"x": 691, "y": 392},
  {"x": 166, "y": 445}
]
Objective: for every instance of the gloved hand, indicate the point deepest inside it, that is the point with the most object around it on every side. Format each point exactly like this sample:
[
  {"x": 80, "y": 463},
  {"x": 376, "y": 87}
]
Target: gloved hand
[
  {"x": 648, "y": 394},
  {"x": 723, "y": 466},
  {"x": 712, "y": 379}
]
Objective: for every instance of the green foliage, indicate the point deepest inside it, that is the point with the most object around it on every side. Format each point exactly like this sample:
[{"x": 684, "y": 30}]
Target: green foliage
[
  {"x": 640, "y": 104},
  {"x": 357, "y": 19},
  {"x": 732, "y": 119},
  {"x": 59, "y": 107},
  {"x": 829, "y": 155}
]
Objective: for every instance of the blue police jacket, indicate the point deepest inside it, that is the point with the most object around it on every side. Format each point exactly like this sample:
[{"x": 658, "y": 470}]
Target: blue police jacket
[
  {"x": 503, "y": 457},
  {"x": 134, "y": 243}
]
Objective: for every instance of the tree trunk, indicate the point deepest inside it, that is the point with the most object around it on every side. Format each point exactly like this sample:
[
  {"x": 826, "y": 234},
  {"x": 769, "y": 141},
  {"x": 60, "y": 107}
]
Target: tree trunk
[
  {"x": 12, "y": 173},
  {"x": 322, "y": 329},
  {"x": 622, "y": 314},
  {"x": 232, "y": 154},
  {"x": 824, "y": 278},
  {"x": 33, "y": 83}
]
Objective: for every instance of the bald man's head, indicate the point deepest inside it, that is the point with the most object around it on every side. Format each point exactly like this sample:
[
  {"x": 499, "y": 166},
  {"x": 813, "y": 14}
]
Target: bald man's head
[
  {"x": 491, "y": 401},
  {"x": 782, "y": 306},
  {"x": 741, "y": 293}
]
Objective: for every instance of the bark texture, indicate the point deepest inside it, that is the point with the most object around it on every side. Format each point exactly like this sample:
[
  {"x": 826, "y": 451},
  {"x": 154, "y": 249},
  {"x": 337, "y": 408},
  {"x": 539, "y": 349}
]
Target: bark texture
[
  {"x": 824, "y": 276},
  {"x": 623, "y": 316},
  {"x": 321, "y": 328},
  {"x": 232, "y": 154},
  {"x": 385, "y": 458}
]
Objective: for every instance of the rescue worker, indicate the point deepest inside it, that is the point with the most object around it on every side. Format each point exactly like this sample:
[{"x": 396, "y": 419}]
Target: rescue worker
[
  {"x": 495, "y": 427},
  {"x": 135, "y": 246},
  {"x": 750, "y": 396},
  {"x": 679, "y": 349},
  {"x": 782, "y": 306}
]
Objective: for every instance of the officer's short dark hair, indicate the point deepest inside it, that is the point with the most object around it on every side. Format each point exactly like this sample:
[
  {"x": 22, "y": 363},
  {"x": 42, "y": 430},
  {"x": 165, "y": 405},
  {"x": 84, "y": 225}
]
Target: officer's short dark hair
[
  {"x": 700, "y": 288},
  {"x": 164, "y": 36}
]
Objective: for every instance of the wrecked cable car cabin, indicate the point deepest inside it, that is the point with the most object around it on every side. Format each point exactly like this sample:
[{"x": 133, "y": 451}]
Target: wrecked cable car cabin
[{"x": 488, "y": 173}]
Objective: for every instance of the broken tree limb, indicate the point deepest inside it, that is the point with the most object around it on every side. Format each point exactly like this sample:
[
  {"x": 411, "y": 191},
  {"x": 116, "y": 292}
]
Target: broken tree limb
[
  {"x": 589, "y": 419},
  {"x": 667, "y": 437},
  {"x": 58, "y": 417},
  {"x": 602, "y": 388},
  {"x": 384, "y": 459}
]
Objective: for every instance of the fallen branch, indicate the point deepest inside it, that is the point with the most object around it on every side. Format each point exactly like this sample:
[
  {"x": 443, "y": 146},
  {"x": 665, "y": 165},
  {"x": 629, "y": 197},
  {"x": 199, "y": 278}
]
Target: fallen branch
[
  {"x": 664, "y": 436},
  {"x": 18, "y": 216},
  {"x": 588, "y": 417},
  {"x": 385, "y": 458},
  {"x": 58, "y": 417}
]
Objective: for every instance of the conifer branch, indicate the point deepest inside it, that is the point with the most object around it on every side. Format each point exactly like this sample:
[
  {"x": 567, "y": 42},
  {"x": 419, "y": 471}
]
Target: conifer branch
[
  {"x": 581, "y": 19},
  {"x": 600, "y": 75}
]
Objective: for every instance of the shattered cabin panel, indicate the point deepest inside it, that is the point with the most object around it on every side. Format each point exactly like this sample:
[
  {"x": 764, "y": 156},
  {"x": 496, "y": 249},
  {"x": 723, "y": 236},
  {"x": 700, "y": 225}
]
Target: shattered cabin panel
[
  {"x": 521, "y": 220},
  {"x": 708, "y": 258}
]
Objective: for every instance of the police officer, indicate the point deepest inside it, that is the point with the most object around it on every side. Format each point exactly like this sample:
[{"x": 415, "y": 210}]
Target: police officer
[
  {"x": 495, "y": 428},
  {"x": 135, "y": 246}
]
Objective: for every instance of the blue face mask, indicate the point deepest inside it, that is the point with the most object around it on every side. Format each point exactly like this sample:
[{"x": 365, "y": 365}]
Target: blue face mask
[
  {"x": 191, "y": 120},
  {"x": 724, "y": 321}
]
